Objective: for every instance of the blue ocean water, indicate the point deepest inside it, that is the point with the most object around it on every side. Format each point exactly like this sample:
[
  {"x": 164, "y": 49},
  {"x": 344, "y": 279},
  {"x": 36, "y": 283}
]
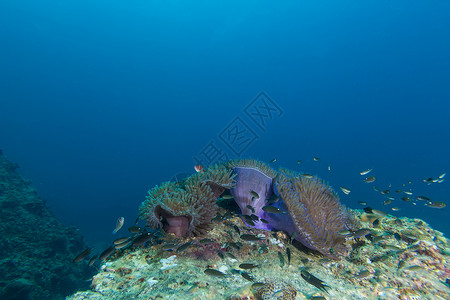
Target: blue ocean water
[{"x": 100, "y": 101}]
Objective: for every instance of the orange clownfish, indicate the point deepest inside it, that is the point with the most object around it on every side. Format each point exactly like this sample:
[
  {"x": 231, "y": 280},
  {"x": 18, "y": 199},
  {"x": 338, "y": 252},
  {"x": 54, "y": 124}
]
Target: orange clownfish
[{"x": 199, "y": 168}]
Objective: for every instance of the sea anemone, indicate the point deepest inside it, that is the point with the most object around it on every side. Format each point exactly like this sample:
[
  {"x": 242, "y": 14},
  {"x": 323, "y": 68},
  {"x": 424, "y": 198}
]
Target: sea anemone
[
  {"x": 186, "y": 208},
  {"x": 218, "y": 177},
  {"x": 184, "y": 211},
  {"x": 315, "y": 212},
  {"x": 252, "y": 176}
]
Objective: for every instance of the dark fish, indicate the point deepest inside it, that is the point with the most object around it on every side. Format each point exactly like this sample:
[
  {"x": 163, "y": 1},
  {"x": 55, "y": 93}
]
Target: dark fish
[
  {"x": 208, "y": 241},
  {"x": 406, "y": 198},
  {"x": 82, "y": 255},
  {"x": 247, "y": 276},
  {"x": 234, "y": 245},
  {"x": 92, "y": 260},
  {"x": 215, "y": 273},
  {"x": 121, "y": 240},
  {"x": 249, "y": 220},
  {"x": 397, "y": 236},
  {"x": 288, "y": 253},
  {"x": 135, "y": 229},
  {"x": 236, "y": 229},
  {"x": 272, "y": 210},
  {"x": 247, "y": 266},
  {"x": 136, "y": 221},
  {"x": 362, "y": 202},
  {"x": 280, "y": 256},
  {"x": 385, "y": 192},
  {"x": 254, "y": 194},
  {"x": 122, "y": 245},
  {"x": 258, "y": 285},
  {"x": 184, "y": 247},
  {"x": 311, "y": 279},
  {"x": 316, "y": 158},
  {"x": 168, "y": 247},
  {"x": 306, "y": 175},
  {"x": 264, "y": 221},
  {"x": 363, "y": 274},
  {"x": 230, "y": 255},
  {"x": 220, "y": 254},
  {"x": 361, "y": 232},
  {"x": 423, "y": 198},
  {"x": 317, "y": 298},
  {"x": 370, "y": 179},
  {"x": 273, "y": 160},
  {"x": 254, "y": 217},
  {"x": 387, "y": 202},
  {"x": 251, "y": 208},
  {"x": 227, "y": 197},
  {"x": 141, "y": 239},
  {"x": 436, "y": 204},
  {"x": 250, "y": 237},
  {"x": 378, "y": 238},
  {"x": 368, "y": 209},
  {"x": 105, "y": 254}
]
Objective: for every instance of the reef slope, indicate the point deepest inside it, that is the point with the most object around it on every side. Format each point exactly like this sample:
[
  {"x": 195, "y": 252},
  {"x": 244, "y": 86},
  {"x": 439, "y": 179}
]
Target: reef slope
[
  {"x": 36, "y": 249},
  {"x": 403, "y": 259}
]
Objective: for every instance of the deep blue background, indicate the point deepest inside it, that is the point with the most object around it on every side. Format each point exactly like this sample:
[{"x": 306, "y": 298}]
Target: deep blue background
[{"x": 101, "y": 101}]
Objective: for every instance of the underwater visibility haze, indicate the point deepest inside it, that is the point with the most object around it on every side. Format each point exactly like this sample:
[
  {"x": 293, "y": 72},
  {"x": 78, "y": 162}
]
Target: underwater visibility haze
[{"x": 114, "y": 109}]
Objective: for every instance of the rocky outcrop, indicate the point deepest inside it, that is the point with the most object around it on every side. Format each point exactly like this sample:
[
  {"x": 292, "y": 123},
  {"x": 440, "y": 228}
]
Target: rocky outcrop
[{"x": 36, "y": 249}]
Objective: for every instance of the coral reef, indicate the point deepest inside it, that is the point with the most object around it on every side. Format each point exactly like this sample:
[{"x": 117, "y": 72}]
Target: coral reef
[
  {"x": 234, "y": 261},
  {"x": 253, "y": 187},
  {"x": 36, "y": 249},
  {"x": 315, "y": 212}
]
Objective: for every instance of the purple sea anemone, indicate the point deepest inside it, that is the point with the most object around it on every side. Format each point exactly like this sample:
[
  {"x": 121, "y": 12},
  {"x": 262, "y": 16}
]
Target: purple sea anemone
[{"x": 253, "y": 187}]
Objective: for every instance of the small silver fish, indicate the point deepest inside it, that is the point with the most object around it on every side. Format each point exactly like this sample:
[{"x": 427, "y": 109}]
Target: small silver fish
[
  {"x": 365, "y": 172},
  {"x": 316, "y": 158},
  {"x": 362, "y": 202},
  {"x": 379, "y": 213},
  {"x": 215, "y": 273},
  {"x": 299, "y": 161},
  {"x": 395, "y": 208},
  {"x": 442, "y": 175},
  {"x": 345, "y": 190},
  {"x": 408, "y": 193},
  {"x": 387, "y": 202},
  {"x": 119, "y": 224},
  {"x": 273, "y": 160},
  {"x": 306, "y": 175},
  {"x": 227, "y": 197}
]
